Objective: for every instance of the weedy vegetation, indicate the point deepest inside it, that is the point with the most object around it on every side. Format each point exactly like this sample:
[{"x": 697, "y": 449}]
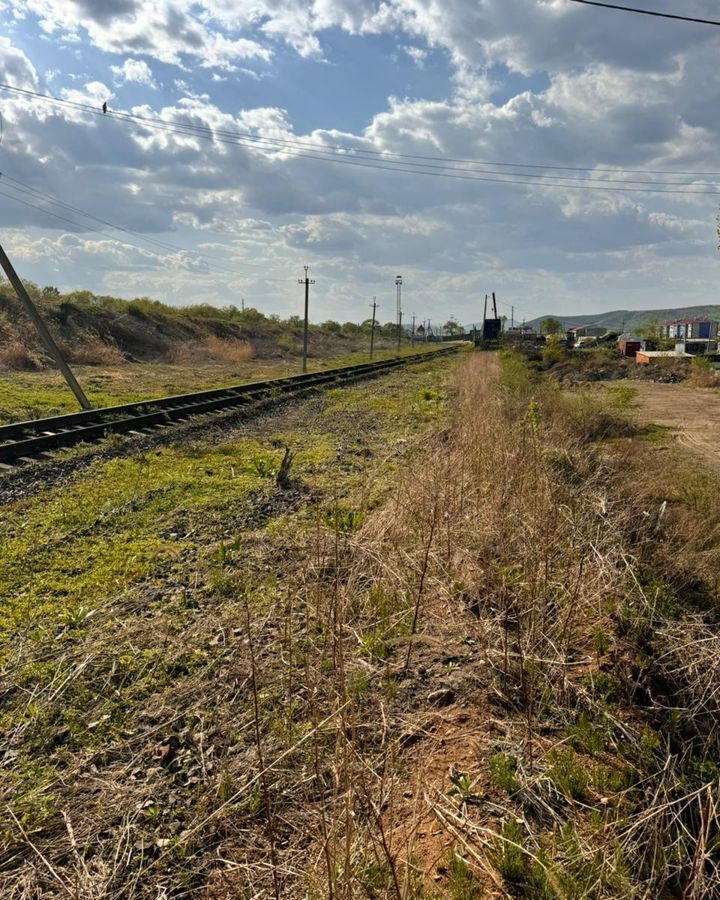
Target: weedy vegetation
[{"x": 450, "y": 634}]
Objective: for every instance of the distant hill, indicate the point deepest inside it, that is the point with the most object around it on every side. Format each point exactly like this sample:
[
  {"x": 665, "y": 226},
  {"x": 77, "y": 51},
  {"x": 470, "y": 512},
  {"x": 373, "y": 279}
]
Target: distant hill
[{"x": 632, "y": 320}]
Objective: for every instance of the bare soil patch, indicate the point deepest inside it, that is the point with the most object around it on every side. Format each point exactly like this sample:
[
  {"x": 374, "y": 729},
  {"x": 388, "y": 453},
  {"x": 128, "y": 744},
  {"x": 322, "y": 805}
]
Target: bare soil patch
[{"x": 692, "y": 414}]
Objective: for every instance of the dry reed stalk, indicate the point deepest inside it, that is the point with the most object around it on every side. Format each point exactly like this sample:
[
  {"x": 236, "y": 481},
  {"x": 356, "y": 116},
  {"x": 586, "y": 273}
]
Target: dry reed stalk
[{"x": 269, "y": 813}]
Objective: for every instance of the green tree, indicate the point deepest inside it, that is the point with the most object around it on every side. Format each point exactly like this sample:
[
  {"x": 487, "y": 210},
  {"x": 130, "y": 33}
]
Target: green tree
[
  {"x": 651, "y": 330},
  {"x": 550, "y": 325},
  {"x": 554, "y": 350},
  {"x": 453, "y": 328}
]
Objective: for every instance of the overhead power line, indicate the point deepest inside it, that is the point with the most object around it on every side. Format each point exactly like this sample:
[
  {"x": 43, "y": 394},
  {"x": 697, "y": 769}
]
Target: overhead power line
[
  {"x": 165, "y": 250},
  {"x": 647, "y": 12},
  {"x": 24, "y": 188},
  {"x": 350, "y": 156},
  {"x": 382, "y": 155}
]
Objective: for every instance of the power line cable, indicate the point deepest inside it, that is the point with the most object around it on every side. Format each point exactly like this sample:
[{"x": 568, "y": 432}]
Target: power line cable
[
  {"x": 384, "y": 155},
  {"x": 597, "y": 185},
  {"x": 395, "y": 159},
  {"x": 646, "y": 12},
  {"x": 157, "y": 253},
  {"x": 4, "y": 177},
  {"x": 22, "y": 187},
  {"x": 321, "y": 154},
  {"x": 40, "y": 209}
]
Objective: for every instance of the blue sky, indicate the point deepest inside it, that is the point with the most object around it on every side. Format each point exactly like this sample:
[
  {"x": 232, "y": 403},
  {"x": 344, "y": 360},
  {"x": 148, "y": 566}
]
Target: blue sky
[{"x": 521, "y": 82}]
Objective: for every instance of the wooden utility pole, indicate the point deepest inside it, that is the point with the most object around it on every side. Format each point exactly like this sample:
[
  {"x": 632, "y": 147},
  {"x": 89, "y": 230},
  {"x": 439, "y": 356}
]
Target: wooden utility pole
[
  {"x": 412, "y": 339},
  {"x": 307, "y": 282},
  {"x": 372, "y": 327},
  {"x": 43, "y": 330},
  {"x": 398, "y": 285}
]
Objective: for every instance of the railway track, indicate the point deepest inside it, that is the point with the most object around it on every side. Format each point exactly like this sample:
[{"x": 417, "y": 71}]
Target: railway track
[{"x": 22, "y": 442}]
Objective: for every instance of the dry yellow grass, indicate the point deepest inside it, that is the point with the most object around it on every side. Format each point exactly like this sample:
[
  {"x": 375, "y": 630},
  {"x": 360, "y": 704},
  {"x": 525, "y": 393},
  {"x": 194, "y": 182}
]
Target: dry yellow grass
[
  {"x": 15, "y": 355},
  {"x": 212, "y": 349},
  {"x": 452, "y": 688},
  {"x": 90, "y": 350}
]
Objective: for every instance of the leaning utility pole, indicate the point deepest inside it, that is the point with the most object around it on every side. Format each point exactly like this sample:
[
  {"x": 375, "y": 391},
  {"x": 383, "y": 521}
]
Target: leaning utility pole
[
  {"x": 307, "y": 282},
  {"x": 43, "y": 331},
  {"x": 398, "y": 285},
  {"x": 372, "y": 327}
]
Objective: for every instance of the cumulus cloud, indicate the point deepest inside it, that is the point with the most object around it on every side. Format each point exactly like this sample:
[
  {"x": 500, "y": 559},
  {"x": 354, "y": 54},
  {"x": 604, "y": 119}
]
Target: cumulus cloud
[
  {"x": 134, "y": 70},
  {"x": 610, "y": 96},
  {"x": 416, "y": 54},
  {"x": 167, "y": 31},
  {"x": 15, "y": 68}
]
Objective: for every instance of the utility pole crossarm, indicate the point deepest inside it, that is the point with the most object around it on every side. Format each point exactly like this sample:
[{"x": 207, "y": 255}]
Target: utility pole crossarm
[{"x": 43, "y": 330}]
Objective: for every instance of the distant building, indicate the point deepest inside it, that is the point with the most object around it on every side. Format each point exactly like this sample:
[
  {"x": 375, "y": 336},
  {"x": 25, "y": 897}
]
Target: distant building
[
  {"x": 629, "y": 344},
  {"x": 694, "y": 328},
  {"x": 697, "y": 348},
  {"x": 643, "y": 357},
  {"x": 591, "y": 331},
  {"x": 521, "y": 333}
]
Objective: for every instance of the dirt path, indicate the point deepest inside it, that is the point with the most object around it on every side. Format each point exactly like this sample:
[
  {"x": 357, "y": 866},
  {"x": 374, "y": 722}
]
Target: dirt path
[{"x": 692, "y": 413}]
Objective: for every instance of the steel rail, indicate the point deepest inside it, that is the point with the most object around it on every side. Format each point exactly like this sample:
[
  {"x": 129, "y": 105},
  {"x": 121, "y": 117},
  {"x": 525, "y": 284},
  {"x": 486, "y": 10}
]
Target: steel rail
[{"x": 21, "y": 440}]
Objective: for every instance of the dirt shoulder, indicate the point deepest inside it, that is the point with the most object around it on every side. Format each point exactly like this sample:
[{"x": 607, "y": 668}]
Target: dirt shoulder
[{"x": 691, "y": 413}]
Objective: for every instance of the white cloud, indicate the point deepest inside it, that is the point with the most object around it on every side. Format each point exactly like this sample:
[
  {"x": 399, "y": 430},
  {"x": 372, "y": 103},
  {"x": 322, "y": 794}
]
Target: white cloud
[
  {"x": 615, "y": 95},
  {"x": 134, "y": 70},
  {"x": 15, "y": 68},
  {"x": 416, "y": 54},
  {"x": 167, "y": 31}
]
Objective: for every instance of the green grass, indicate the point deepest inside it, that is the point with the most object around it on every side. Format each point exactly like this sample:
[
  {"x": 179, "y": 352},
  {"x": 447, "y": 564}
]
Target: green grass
[
  {"x": 34, "y": 395},
  {"x": 68, "y": 548},
  {"x": 115, "y": 585}
]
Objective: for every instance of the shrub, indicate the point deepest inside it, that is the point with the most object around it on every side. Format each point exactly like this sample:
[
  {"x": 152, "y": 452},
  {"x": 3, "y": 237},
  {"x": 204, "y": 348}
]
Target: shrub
[
  {"x": 514, "y": 371},
  {"x": 16, "y": 355},
  {"x": 702, "y": 374},
  {"x": 289, "y": 343},
  {"x": 554, "y": 350}
]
